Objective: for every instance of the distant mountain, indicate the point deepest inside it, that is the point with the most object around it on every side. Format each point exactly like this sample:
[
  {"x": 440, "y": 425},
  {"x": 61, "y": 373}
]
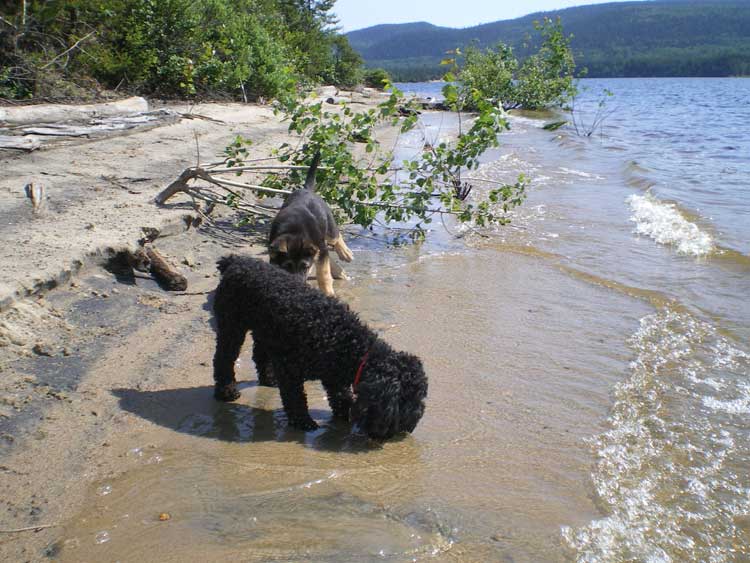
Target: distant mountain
[{"x": 652, "y": 38}]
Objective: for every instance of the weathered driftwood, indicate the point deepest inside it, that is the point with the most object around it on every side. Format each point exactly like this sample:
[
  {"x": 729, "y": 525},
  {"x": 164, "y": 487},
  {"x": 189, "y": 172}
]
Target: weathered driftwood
[
  {"x": 269, "y": 167},
  {"x": 18, "y": 143},
  {"x": 54, "y": 113},
  {"x": 181, "y": 185},
  {"x": 138, "y": 260},
  {"x": 32, "y": 137},
  {"x": 163, "y": 270}
]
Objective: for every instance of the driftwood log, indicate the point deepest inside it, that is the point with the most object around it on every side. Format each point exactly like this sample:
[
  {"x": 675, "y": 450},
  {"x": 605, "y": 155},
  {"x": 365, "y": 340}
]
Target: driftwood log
[
  {"x": 56, "y": 113},
  {"x": 163, "y": 271}
]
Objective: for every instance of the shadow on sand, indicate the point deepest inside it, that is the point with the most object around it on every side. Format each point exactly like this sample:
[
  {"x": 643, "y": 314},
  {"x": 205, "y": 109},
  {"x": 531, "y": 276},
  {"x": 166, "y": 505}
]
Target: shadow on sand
[{"x": 194, "y": 411}]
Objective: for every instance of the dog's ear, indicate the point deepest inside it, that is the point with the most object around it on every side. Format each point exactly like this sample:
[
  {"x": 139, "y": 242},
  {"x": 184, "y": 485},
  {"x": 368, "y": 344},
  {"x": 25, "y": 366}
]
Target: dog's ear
[
  {"x": 280, "y": 244},
  {"x": 378, "y": 407}
]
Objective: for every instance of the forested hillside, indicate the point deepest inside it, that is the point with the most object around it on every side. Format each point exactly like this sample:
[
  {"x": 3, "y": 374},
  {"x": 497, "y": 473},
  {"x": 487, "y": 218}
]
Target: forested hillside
[
  {"x": 241, "y": 49},
  {"x": 660, "y": 38}
]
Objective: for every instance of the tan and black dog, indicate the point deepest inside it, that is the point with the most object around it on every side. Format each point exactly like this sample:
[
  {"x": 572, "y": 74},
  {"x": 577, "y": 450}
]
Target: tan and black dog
[{"x": 301, "y": 233}]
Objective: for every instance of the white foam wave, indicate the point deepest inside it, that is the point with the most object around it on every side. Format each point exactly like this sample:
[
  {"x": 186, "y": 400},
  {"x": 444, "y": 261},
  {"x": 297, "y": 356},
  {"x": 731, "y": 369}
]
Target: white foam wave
[
  {"x": 580, "y": 174},
  {"x": 736, "y": 405},
  {"x": 665, "y": 224},
  {"x": 666, "y": 470}
]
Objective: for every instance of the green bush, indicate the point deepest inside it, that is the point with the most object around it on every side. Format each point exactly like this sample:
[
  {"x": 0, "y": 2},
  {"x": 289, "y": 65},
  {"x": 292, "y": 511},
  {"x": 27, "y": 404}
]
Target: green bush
[
  {"x": 544, "y": 79},
  {"x": 376, "y": 78},
  {"x": 174, "y": 48},
  {"x": 490, "y": 72}
]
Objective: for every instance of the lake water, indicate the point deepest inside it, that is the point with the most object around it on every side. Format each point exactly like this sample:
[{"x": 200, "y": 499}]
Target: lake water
[
  {"x": 654, "y": 206},
  {"x": 589, "y": 372}
]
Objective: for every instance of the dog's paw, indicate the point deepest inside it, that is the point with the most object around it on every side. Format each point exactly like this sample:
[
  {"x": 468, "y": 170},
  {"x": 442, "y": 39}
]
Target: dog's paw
[
  {"x": 337, "y": 271},
  {"x": 307, "y": 424},
  {"x": 226, "y": 393},
  {"x": 344, "y": 253}
]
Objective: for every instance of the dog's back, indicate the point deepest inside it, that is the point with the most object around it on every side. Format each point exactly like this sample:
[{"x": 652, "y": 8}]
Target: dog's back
[{"x": 264, "y": 297}]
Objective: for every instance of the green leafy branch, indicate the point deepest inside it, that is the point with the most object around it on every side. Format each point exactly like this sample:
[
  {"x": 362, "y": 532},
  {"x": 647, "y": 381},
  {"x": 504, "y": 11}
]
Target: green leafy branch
[{"x": 358, "y": 177}]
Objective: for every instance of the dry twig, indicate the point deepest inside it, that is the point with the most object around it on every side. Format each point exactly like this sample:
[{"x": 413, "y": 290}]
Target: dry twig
[{"x": 28, "y": 529}]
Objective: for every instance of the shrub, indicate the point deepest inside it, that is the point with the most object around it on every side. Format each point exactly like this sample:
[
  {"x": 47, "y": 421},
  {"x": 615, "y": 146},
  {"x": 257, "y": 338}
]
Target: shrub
[
  {"x": 376, "y": 78},
  {"x": 544, "y": 79}
]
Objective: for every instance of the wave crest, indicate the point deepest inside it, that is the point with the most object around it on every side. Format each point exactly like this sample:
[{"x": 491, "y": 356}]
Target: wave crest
[{"x": 664, "y": 223}]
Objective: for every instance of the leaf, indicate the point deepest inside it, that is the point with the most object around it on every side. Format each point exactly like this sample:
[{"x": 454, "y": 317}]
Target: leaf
[{"x": 554, "y": 126}]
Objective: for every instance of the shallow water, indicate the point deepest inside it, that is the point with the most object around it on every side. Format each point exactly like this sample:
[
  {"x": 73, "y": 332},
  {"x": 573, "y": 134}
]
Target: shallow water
[
  {"x": 494, "y": 468},
  {"x": 588, "y": 370}
]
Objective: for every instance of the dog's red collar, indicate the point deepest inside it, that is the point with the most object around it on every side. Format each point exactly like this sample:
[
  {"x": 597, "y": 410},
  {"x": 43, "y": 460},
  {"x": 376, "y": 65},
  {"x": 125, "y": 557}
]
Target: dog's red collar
[{"x": 359, "y": 371}]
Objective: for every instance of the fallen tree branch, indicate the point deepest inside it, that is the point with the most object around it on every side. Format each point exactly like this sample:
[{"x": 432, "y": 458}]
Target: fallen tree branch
[
  {"x": 204, "y": 117},
  {"x": 243, "y": 168},
  {"x": 181, "y": 185},
  {"x": 248, "y": 186},
  {"x": 163, "y": 270}
]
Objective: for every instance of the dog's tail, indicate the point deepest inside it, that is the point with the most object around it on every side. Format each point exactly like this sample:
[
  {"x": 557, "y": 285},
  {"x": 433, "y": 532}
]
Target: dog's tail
[
  {"x": 310, "y": 180},
  {"x": 225, "y": 261}
]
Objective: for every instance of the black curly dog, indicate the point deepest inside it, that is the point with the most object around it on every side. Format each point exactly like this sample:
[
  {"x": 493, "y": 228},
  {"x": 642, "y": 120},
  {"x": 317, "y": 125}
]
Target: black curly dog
[{"x": 300, "y": 334}]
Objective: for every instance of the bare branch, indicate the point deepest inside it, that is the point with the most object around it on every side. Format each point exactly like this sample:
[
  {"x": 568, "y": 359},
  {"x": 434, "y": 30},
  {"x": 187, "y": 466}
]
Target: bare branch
[
  {"x": 9, "y": 24},
  {"x": 270, "y": 167},
  {"x": 81, "y": 40}
]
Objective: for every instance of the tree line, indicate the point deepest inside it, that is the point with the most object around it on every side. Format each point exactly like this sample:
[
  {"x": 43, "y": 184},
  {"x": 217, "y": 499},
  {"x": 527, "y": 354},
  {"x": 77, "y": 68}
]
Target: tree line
[
  {"x": 239, "y": 49},
  {"x": 656, "y": 38}
]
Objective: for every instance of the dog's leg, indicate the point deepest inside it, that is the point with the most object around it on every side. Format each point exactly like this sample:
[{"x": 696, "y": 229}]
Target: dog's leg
[
  {"x": 263, "y": 365},
  {"x": 292, "y": 389},
  {"x": 323, "y": 274},
  {"x": 337, "y": 271},
  {"x": 342, "y": 250},
  {"x": 229, "y": 342},
  {"x": 341, "y": 400}
]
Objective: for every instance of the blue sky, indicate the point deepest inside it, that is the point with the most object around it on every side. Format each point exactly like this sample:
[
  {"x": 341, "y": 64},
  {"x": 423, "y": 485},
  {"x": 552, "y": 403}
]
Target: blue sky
[{"x": 356, "y": 14}]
